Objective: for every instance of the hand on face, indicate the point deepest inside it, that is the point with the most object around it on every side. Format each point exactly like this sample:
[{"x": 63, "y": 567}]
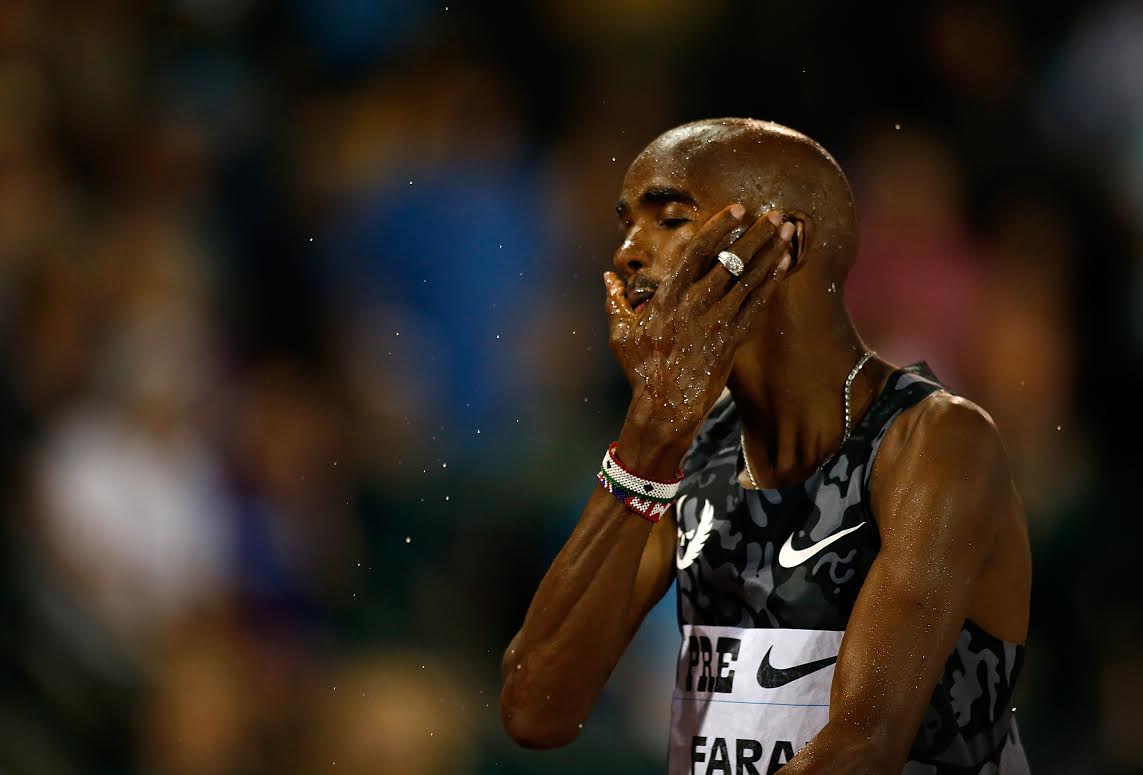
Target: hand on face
[{"x": 677, "y": 352}]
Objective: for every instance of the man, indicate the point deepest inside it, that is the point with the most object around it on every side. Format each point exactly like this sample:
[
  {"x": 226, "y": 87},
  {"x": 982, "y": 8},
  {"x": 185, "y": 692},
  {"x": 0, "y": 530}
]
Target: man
[{"x": 851, "y": 555}]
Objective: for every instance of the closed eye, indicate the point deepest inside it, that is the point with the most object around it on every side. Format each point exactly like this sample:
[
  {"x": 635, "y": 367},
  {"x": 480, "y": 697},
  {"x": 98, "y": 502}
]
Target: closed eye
[{"x": 673, "y": 223}]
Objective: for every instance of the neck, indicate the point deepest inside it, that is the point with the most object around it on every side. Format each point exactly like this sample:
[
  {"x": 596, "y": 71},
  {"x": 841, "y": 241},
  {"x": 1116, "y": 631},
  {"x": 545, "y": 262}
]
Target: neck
[{"x": 788, "y": 383}]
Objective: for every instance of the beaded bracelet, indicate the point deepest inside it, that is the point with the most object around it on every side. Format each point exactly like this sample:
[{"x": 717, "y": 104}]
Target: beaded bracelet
[{"x": 649, "y": 498}]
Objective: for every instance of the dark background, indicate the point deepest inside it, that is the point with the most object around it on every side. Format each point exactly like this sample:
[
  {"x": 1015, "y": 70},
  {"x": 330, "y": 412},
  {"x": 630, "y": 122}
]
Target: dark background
[{"x": 304, "y": 364}]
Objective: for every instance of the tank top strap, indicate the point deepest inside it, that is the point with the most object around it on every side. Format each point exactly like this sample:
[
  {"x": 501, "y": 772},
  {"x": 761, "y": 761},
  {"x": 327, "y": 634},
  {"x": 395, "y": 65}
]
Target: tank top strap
[{"x": 905, "y": 388}]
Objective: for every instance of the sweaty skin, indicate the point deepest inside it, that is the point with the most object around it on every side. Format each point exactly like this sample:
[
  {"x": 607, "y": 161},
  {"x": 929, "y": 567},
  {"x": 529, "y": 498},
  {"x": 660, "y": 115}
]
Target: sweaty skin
[{"x": 954, "y": 540}]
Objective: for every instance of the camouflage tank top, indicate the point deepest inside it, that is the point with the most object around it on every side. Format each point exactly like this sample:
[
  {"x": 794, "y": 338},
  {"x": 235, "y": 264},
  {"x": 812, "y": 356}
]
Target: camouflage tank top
[{"x": 767, "y": 580}]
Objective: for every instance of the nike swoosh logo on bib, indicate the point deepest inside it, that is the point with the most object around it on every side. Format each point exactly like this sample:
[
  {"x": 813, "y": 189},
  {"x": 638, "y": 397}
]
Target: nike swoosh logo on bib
[
  {"x": 788, "y": 557},
  {"x": 770, "y": 677}
]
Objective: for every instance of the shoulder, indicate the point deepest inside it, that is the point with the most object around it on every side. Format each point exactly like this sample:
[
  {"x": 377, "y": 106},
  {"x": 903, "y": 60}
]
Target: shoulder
[
  {"x": 943, "y": 427},
  {"x": 942, "y": 463}
]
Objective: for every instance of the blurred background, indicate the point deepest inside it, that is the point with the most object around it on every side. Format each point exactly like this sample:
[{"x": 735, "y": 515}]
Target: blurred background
[{"x": 304, "y": 368}]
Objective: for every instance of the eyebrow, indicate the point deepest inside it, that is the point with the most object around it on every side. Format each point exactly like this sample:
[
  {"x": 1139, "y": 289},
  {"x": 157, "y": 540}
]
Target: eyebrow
[{"x": 659, "y": 195}]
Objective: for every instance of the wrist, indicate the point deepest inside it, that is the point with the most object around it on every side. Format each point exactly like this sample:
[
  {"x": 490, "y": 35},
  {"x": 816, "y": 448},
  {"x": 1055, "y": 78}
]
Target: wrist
[
  {"x": 647, "y": 497},
  {"x": 652, "y": 450}
]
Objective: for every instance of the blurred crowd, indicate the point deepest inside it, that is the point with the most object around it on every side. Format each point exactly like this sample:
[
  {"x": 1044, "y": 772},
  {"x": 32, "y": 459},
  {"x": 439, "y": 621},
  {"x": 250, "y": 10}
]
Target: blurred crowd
[{"x": 305, "y": 373}]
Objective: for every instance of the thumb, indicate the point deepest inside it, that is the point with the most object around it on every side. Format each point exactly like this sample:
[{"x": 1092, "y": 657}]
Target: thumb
[{"x": 617, "y": 307}]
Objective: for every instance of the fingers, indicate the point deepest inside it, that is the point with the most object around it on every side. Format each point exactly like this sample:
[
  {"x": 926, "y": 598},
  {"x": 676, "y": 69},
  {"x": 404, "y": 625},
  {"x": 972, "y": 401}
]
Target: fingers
[
  {"x": 757, "y": 238},
  {"x": 703, "y": 246},
  {"x": 756, "y": 291},
  {"x": 618, "y": 309},
  {"x": 718, "y": 280},
  {"x": 761, "y": 268}
]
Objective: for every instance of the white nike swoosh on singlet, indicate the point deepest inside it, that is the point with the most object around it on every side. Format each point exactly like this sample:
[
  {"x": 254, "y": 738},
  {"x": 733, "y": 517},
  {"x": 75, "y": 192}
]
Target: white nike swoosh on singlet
[{"x": 789, "y": 556}]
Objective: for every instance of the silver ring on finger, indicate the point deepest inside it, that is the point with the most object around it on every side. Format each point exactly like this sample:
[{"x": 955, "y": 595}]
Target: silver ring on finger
[{"x": 732, "y": 262}]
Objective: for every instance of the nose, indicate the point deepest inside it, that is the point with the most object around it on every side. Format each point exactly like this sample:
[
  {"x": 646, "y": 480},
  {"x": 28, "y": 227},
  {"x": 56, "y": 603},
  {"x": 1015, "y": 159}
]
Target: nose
[{"x": 629, "y": 258}]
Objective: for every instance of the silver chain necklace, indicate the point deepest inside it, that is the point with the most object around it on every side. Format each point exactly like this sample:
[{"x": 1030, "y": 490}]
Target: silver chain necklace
[{"x": 848, "y": 384}]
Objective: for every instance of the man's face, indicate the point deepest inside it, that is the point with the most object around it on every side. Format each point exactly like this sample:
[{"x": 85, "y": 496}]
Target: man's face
[
  {"x": 669, "y": 193},
  {"x": 660, "y": 207}
]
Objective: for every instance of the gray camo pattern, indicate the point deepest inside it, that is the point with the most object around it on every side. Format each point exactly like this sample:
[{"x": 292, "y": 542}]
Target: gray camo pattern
[{"x": 968, "y": 728}]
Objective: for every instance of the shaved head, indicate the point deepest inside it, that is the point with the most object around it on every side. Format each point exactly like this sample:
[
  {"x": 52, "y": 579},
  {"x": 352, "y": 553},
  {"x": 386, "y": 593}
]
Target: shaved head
[{"x": 763, "y": 166}]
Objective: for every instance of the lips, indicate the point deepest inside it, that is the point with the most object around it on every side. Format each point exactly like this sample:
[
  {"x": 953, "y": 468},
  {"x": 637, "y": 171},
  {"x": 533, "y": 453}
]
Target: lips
[{"x": 639, "y": 295}]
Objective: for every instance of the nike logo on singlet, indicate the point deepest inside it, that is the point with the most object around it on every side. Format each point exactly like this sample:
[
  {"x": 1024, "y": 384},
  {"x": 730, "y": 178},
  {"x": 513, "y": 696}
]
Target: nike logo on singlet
[
  {"x": 788, "y": 557},
  {"x": 770, "y": 677}
]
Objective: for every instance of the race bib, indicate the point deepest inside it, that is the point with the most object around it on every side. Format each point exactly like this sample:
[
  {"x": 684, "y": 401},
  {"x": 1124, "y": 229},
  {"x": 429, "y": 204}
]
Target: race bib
[{"x": 747, "y": 700}]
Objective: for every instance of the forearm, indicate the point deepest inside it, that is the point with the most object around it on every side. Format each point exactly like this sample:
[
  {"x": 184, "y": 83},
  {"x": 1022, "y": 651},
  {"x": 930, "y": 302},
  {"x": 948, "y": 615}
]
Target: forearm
[
  {"x": 584, "y": 611},
  {"x": 843, "y": 749},
  {"x": 903, "y": 627},
  {"x": 571, "y": 635}
]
